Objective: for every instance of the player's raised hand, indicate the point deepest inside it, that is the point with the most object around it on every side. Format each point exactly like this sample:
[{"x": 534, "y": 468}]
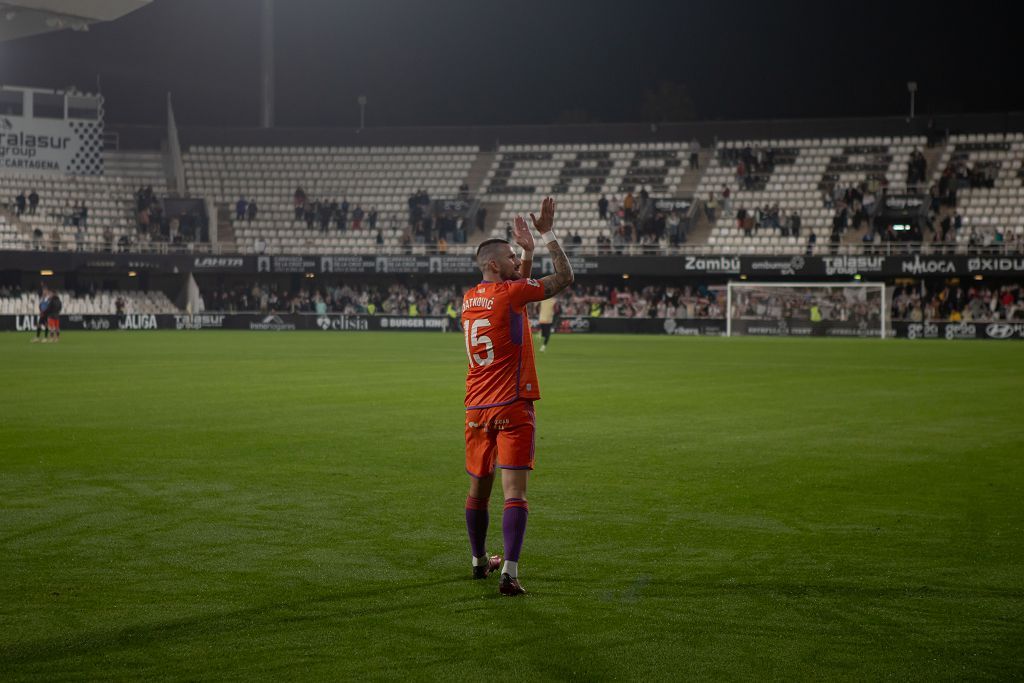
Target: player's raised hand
[
  {"x": 547, "y": 216},
  {"x": 522, "y": 235}
]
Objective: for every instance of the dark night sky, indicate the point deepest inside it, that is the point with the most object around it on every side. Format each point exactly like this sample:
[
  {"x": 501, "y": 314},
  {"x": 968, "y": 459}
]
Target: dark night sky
[{"x": 456, "y": 62}]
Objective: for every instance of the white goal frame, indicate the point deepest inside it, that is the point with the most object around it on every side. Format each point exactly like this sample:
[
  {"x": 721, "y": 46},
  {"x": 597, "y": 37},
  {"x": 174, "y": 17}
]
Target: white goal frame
[{"x": 744, "y": 284}]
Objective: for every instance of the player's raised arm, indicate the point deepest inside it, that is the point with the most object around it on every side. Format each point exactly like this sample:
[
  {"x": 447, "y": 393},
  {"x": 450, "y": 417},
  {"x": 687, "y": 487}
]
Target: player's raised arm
[
  {"x": 523, "y": 237},
  {"x": 562, "y": 277}
]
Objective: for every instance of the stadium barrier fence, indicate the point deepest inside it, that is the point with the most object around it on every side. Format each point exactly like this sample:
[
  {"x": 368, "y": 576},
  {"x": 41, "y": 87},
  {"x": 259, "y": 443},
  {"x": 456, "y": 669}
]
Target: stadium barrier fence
[
  {"x": 281, "y": 322},
  {"x": 701, "y": 265}
]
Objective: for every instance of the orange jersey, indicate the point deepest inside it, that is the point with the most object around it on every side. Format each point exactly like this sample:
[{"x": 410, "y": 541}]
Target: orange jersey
[{"x": 498, "y": 343}]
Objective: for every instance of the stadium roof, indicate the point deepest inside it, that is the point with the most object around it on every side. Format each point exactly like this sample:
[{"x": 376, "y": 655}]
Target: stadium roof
[{"x": 20, "y": 18}]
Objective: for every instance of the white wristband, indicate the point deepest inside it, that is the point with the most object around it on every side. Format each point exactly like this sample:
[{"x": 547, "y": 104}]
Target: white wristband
[{"x": 548, "y": 237}]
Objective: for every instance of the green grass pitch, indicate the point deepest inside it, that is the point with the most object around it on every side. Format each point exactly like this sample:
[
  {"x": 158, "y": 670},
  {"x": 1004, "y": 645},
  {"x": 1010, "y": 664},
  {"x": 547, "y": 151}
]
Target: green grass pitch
[{"x": 289, "y": 506}]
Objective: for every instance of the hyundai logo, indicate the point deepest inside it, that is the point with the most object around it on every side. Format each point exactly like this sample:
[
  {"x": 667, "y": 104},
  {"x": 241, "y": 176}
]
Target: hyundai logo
[{"x": 1000, "y": 330}]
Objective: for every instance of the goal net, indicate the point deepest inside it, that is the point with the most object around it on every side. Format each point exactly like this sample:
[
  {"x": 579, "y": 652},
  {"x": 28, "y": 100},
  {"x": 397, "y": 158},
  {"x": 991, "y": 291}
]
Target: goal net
[{"x": 806, "y": 309}]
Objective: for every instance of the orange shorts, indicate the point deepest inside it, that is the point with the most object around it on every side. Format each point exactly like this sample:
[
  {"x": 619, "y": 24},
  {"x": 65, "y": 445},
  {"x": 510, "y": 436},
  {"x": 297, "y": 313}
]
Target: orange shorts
[
  {"x": 53, "y": 323},
  {"x": 502, "y": 437}
]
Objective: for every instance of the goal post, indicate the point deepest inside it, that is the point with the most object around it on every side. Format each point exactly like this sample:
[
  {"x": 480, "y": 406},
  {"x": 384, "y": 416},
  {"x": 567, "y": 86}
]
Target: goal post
[{"x": 791, "y": 309}]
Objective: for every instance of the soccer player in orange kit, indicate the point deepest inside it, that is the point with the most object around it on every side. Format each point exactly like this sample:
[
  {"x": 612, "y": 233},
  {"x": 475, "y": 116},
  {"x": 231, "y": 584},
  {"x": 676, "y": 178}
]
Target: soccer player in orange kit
[{"x": 501, "y": 386}]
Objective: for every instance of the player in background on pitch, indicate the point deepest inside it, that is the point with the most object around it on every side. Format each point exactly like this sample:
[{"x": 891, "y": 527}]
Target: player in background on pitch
[
  {"x": 501, "y": 386},
  {"x": 546, "y": 320},
  {"x": 41, "y": 323},
  {"x": 53, "y": 317}
]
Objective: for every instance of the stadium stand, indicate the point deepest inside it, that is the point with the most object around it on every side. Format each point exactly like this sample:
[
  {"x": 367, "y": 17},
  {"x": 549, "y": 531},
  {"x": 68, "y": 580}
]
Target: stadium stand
[
  {"x": 381, "y": 178},
  {"x": 988, "y": 174},
  {"x": 110, "y": 200},
  {"x": 97, "y": 303},
  {"x": 984, "y": 210},
  {"x": 794, "y": 175},
  {"x": 578, "y": 176}
]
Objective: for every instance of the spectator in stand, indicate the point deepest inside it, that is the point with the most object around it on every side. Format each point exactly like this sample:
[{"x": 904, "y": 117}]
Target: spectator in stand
[
  {"x": 371, "y": 218},
  {"x": 108, "y": 239},
  {"x": 794, "y": 224},
  {"x": 628, "y": 206},
  {"x": 619, "y": 239},
  {"x": 33, "y": 202},
  {"x": 299, "y": 202},
  {"x": 357, "y": 218},
  {"x": 323, "y": 214},
  {"x": 711, "y": 207},
  {"x": 380, "y": 238},
  {"x": 694, "y": 155},
  {"x": 481, "y": 219},
  {"x": 615, "y": 220},
  {"x": 251, "y": 211},
  {"x": 442, "y": 245},
  {"x": 344, "y": 207},
  {"x": 55, "y": 239},
  {"x": 602, "y": 208},
  {"x": 945, "y": 226},
  {"x": 672, "y": 228},
  {"x": 20, "y": 202},
  {"x": 80, "y": 239},
  {"x": 308, "y": 213},
  {"x": 240, "y": 207},
  {"x": 726, "y": 200},
  {"x": 143, "y": 220},
  {"x": 812, "y": 239}
]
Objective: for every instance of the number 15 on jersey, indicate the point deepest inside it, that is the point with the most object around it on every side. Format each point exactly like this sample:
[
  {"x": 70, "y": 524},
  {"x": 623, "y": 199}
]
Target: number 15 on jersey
[{"x": 474, "y": 339}]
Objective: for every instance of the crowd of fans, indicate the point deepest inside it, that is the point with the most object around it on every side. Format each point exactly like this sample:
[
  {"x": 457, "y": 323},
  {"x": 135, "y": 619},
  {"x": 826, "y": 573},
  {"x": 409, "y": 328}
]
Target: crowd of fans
[
  {"x": 812, "y": 304},
  {"x": 752, "y": 164},
  {"x": 154, "y": 225},
  {"x": 349, "y": 299},
  {"x": 917, "y": 301},
  {"x": 923, "y": 301},
  {"x": 427, "y": 222},
  {"x": 637, "y": 219},
  {"x": 652, "y": 301},
  {"x": 599, "y": 300},
  {"x": 320, "y": 214}
]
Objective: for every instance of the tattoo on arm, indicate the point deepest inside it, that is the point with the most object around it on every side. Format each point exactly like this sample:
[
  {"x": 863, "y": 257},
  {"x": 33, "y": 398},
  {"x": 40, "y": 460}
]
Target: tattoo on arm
[{"x": 562, "y": 277}]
